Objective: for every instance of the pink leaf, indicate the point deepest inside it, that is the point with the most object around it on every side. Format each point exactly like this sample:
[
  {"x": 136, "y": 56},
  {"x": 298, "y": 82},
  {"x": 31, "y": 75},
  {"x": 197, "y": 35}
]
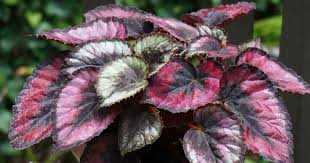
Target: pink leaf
[
  {"x": 219, "y": 15},
  {"x": 176, "y": 28},
  {"x": 180, "y": 87},
  {"x": 103, "y": 28},
  {"x": 78, "y": 117},
  {"x": 251, "y": 97},
  {"x": 104, "y": 149},
  {"x": 133, "y": 17},
  {"x": 210, "y": 46},
  {"x": 219, "y": 139},
  {"x": 285, "y": 78},
  {"x": 31, "y": 121}
]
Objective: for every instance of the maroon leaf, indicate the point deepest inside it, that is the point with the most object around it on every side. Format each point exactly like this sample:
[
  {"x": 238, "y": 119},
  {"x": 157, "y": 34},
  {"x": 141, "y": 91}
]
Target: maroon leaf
[
  {"x": 219, "y": 15},
  {"x": 176, "y": 28},
  {"x": 210, "y": 46},
  {"x": 78, "y": 117},
  {"x": 104, "y": 149},
  {"x": 218, "y": 140},
  {"x": 133, "y": 17},
  {"x": 180, "y": 87},
  {"x": 138, "y": 127},
  {"x": 103, "y": 28},
  {"x": 285, "y": 78},
  {"x": 31, "y": 121},
  {"x": 250, "y": 96}
]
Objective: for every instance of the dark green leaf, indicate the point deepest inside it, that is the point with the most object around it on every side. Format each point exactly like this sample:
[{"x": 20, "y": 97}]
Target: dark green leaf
[{"x": 138, "y": 127}]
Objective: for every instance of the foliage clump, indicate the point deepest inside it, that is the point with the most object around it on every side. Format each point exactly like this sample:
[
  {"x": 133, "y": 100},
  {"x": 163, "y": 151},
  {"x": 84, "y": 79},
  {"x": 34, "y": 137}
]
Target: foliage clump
[{"x": 135, "y": 69}]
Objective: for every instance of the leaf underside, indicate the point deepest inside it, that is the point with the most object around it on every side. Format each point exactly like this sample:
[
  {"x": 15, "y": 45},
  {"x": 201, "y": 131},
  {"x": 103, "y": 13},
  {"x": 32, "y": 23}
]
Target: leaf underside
[
  {"x": 132, "y": 17},
  {"x": 219, "y": 16},
  {"x": 219, "y": 139},
  {"x": 180, "y": 87},
  {"x": 104, "y": 149},
  {"x": 251, "y": 97},
  {"x": 156, "y": 49},
  {"x": 77, "y": 115},
  {"x": 103, "y": 28},
  {"x": 95, "y": 54},
  {"x": 174, "y": 27},
  {"x": 285, "y": 78},
  {"x": 210, "y": 46},
  {"x": 31, "y": 121},
  {"x": 121, "y": 79},
  {"x": 138, "y": 127}
]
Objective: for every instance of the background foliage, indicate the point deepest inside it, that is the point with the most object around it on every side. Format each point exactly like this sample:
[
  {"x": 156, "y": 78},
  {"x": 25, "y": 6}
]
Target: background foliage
[{"x": 19, "y": 53}]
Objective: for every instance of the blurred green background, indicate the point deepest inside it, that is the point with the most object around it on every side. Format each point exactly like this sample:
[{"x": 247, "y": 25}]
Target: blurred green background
[{"x": 19, "y": 53}]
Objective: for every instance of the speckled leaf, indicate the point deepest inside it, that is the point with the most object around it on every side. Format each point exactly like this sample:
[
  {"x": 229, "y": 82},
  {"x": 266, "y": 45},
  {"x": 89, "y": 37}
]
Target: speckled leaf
[
  {"x": 219, "y": 15},
  {"x": 77, "y": 115},
  {"x": 285, "y": 78},
  {"x": 210, "y": 46},
  {"x": 214, "y": 31},
  {"x": 133, "y": 17},
  {"x": 218, "y": 140},
  {"x": 248, "y": 93},
  {"x": 174, "y": 27},
  {"x": 180, "y": 87},
  {"x": 31, "y": 121},
  {"x": 104, "y": 149},
  {"x": 156, "y": 49},
  {"x": 103, "y": 28},
  {"x": 95, "y": 54},
  {"x": 138, "y": 127},
  {"x": 121, "y": 79}
]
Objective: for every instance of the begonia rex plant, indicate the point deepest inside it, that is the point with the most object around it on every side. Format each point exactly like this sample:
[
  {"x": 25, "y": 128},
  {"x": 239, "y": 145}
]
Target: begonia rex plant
[{"x": 132, "y": 76}]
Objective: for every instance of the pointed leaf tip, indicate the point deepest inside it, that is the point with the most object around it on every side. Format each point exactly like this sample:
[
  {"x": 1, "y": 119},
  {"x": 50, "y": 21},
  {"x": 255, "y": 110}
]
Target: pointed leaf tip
[
  {"x": 95, "y": 30},
  {"x": 251, "y": 97},
  {"x": 285, "y": 78},
  {"x": 121, "y": 79},
  {"x": 174, "y": 27},
  {"x": 31, "y": 120},
  {"x": 220, "y": 15}
]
